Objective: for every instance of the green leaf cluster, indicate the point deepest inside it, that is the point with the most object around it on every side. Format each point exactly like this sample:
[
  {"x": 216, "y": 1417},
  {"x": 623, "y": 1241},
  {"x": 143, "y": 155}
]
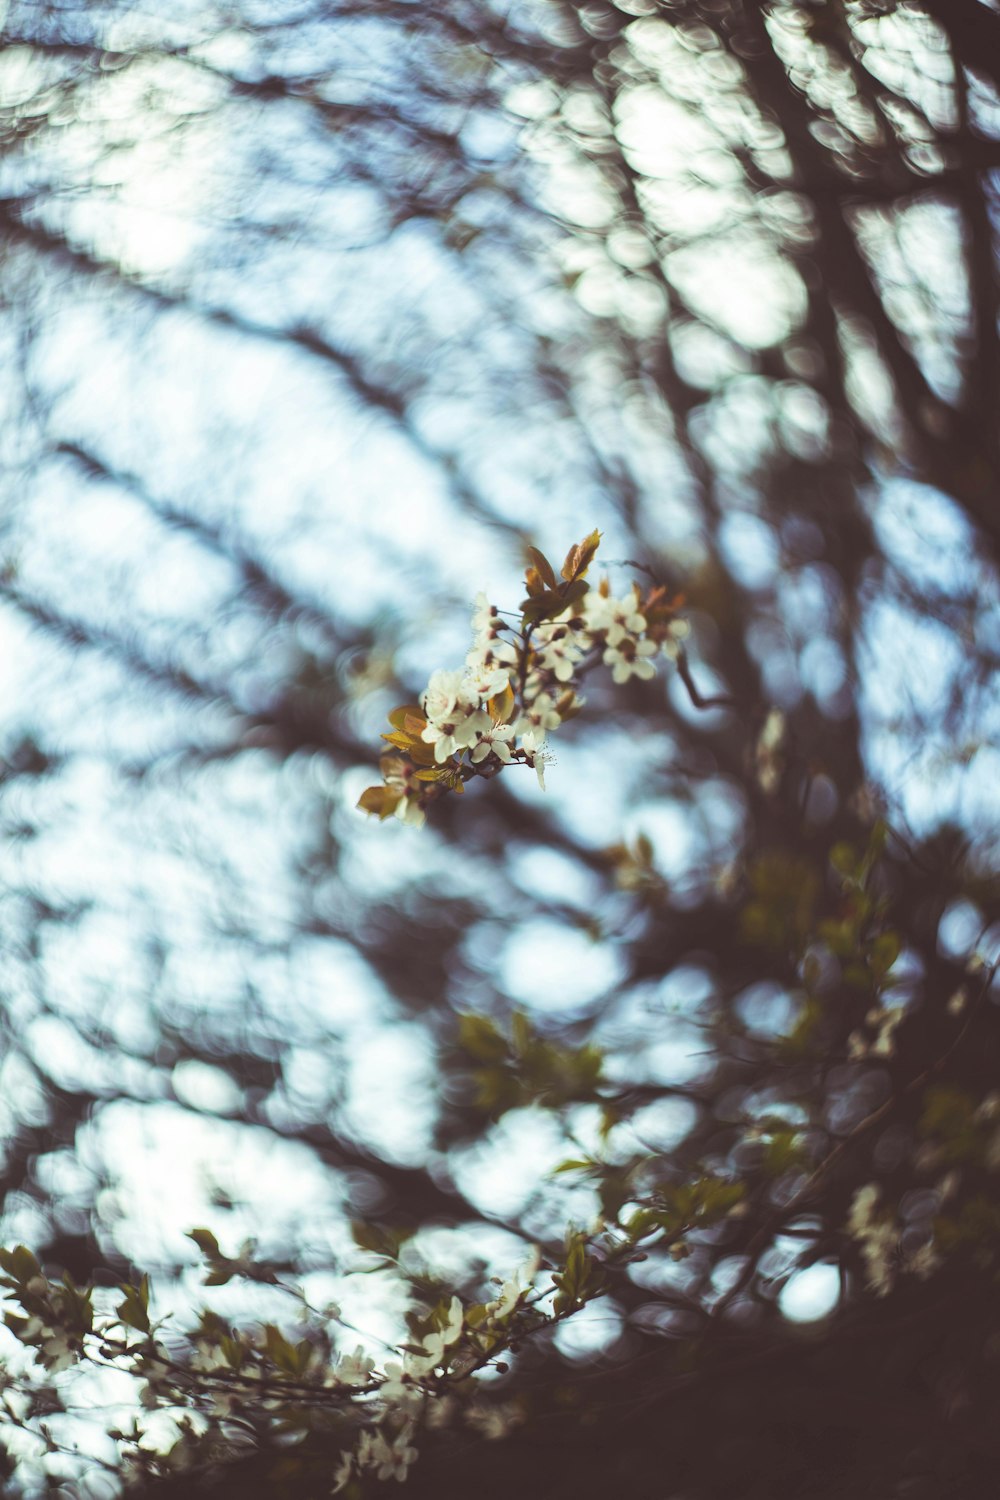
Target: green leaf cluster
[
  {"x": 524, "y": 1068},
  {"x": 680, "y": 1209},
  {"x": 580, "y": 1278},
  {"x": 784, "y": 891},
  {"x": 948, "y": 1118}
]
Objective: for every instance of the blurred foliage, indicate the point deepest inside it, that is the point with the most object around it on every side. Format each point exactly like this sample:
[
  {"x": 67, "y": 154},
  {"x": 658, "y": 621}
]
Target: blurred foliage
[{"x": 314, "y": 319}]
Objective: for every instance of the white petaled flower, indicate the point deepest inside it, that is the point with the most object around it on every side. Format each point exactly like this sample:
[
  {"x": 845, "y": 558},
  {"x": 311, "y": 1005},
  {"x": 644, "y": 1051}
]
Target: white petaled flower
[
  {"x": 397, "y": 1391},
  {"x": 595, "y": 612},
  {"x": 677, "y": 631},
  {"x": 877, "y": 1236},
  {"x": 399, "y": 775},
  {"x": 364, "y": 1456},
  {"x": 857, "y": 1046},
  {"x": 58, "y": 1350},
  {"x": 157, "y": 1376},
  {"x": 885, "y": 1021},
  {"x": 539, "y": 716},
  {"x": 513, "y": 1290},
  {"x": 924, "y": 1262},
  {"x": 443, "y": 694},
  {"x": 623, "y": 618},
  {"x": 354, "y": 1369},
  {"x": 460, "y": 732},
  {"x": 440, "y": 1411},
  {"x": 208, "y": 1357},
  {"x": 408, "y": 810},
  {"x": 557, "y": 649},
  {"x": 392, "y": 1459},
  {"x": 342, "y": 1473},
  {"x": 485, "y": 616},
  {"x": 491, "y": 668},
  {"x": 862, "y": 1208},
  {"x": 539, "y": 756},
  {"x": 440, "y": 1339},
  {"x": 957, "y": 1003},
  {"x": 630, "y": 658},
  {"x": 492, "y": 660},
  {"x": 495, "y": 742},
  {"x": 494, "y": 1420},
  {"x": 225, "y": 1403}
]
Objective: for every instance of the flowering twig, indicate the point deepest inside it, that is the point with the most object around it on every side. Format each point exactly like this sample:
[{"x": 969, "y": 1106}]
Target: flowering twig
[{"x": 521, "y": 682}]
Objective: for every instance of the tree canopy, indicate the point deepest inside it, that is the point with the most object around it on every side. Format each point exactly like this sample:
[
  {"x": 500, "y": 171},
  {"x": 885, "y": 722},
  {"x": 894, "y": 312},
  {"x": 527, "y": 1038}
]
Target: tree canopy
[{"x": 319, "y": 323}]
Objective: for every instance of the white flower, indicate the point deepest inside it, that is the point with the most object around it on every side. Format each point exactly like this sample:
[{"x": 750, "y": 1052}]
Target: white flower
[
  {"x": 493, "y": 1420},
  {"x": 397, "y": 1456},
  {"x": 492, "y": 660},
  {"x": 957, "y": 1002},
  {"x": 513, "y": 1290},
  {"x": 457, "y": 733},
  {"x": 612, "y": 618},
  {"x": 539, "y": 715},
  {"x": 677, "y": 630},
  {"x": 436, "y": 1342},
  {"x": 491, "y": 668},
  {"x": 624, "y": 619},
  {"x": 862, "y": 1208},
  {"x": 630, "y": 658},
  {"x": 342, "y": 1473},
  {"x": 443, "y": 695},
  {"x": 440, "y": 1411},
  {"x": 557, "y": 649},
  {"x": 408, "y": 810},
  {"x": 886, "y": 1022},
  {"x": 924, "y": 1262},
  {"x": 877, "y": 1236},
  {"x": 208, "y": 1356},
  {"x": 59, "y": 1351},
  {"x": 397, "y": 1391},
  {"x": 595, "y": 610},
  {"x": 399, "y": 774},
  {"x": 539, "y": 756},
  {"x": 354, "y": 1369},
  {"x": 857, "y": 1047},
  {"x": 485, "y": 616},
  {"x": 390, "y": 1459},
  {"x": 495, "y": 742},
  {"x": 440, "y": 1339}
]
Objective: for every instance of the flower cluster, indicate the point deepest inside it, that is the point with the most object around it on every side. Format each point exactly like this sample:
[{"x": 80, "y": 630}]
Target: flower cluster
[
  {"x": 520, "y": 682},
  {"x": 225, "y": 1376},
  {"x": 883, "y": 1245}
]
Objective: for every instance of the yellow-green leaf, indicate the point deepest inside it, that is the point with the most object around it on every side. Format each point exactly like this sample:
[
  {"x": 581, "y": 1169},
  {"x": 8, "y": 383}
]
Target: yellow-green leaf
[
  {"x": 543, "y": 567},
  {"x": 579, "y": 558}
]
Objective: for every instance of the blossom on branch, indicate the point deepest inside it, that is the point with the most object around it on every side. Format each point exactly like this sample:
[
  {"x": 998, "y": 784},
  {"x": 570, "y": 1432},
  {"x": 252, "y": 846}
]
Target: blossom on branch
[{"x": 521, "y": 684}]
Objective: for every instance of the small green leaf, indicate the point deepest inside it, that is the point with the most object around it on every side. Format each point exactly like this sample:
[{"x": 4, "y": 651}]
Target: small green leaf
[
  {"x": 520, "y": 1030},
  {"x": 543, "y": 567},
  {"x": 478, "y": 1036},
  {"x": 20, "y": 1264},
  {"x": 579, "y": 558},
  {"x": 844, "y": 859},
  {"x": 133, "y": 1309},
  {"x": 884, "y": 951},
  {"x": 206, "y": 1242},
  {"x": 220, "y": 1275}
]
